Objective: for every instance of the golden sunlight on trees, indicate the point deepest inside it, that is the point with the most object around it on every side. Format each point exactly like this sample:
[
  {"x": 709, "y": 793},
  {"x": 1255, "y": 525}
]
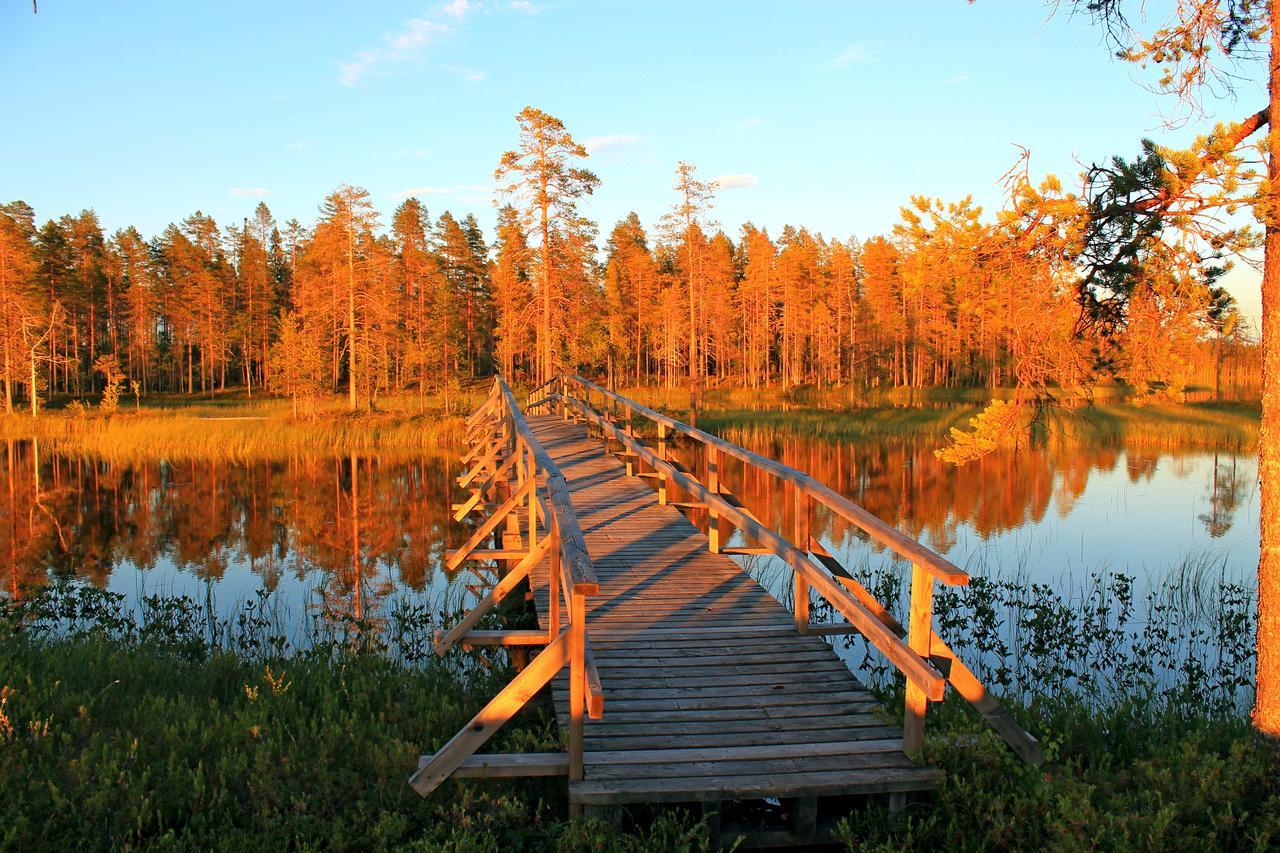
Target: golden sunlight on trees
[
  {"x": 544, "y": 187},
  {"x": 1171, "y": 198}
]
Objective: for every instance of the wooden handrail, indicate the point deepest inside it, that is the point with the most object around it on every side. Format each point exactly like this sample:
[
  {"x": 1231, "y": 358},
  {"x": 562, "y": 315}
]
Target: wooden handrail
[
  {"x": 573, "y": 545},
  {"x": 913, "y": 648},
  {"x": 917, "y": 670},
  {"x": 876, "y": 528},
  {"x": 514, "y": 455}
]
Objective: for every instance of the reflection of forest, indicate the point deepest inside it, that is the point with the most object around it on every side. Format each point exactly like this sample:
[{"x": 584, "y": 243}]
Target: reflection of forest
[
  {"x": 358, "y": 520},
  {"x": 904, "y": 484}
]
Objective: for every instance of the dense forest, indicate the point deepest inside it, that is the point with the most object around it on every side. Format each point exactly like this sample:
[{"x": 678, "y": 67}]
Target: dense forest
[{"x": 947, "y": 298}]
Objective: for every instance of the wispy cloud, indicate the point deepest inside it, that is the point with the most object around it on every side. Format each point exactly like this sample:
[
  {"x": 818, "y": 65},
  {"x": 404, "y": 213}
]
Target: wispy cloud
[
  {"x": 457, "y": 9},
  {"x": 404, "y": 44},
  {"x": 463, "y": 190},
  {"x": 601, "y": 144},
  {"x": 753, "y": 121},
  {"x": 855, "y": 54},
  {"x": 298, "y": 146},
  {"x": 736, "y": 181},
  {"x": 957, "y": 79},
  {"x": 415, "y": 153},
  {"x": 469, "y": 74},
  {"x": 524, "y": 6},
  {"x": 249, "y": 192}
]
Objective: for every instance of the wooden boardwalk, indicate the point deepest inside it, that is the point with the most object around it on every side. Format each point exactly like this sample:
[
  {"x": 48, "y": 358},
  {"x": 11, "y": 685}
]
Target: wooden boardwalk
[
  {"x": 676, "y": 677},
  {"x": 712, "y": 693}
]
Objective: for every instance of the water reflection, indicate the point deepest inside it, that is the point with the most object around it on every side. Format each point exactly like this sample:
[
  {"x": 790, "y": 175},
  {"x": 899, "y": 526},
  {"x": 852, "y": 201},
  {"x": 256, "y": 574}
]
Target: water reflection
[
  {"x": 1048, "y": 512},
  {"x": 348, "y": 530}
]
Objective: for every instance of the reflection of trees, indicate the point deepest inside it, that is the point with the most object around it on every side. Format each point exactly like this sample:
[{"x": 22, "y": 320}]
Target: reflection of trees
[
  {"x": 356, "y": 520},
  {"x": 903, "y": 483},
  {"x": 1226, "y": 491}
]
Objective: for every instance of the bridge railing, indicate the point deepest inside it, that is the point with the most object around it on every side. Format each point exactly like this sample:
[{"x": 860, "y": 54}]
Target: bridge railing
[
  {"x": 507, "y": 459},
  {"x": 925, "y": 660}
]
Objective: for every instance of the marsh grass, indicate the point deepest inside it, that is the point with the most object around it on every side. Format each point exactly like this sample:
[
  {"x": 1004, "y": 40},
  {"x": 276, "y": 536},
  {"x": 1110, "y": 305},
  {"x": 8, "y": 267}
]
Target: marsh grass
[
  {"x": 243, "y": 432},
  {"x": 1198, "y": 426},
  {"x": 167, "y": 726}
]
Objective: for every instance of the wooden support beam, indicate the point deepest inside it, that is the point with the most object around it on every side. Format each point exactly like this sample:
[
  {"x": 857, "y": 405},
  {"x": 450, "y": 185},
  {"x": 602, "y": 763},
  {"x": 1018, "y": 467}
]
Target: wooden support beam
[
  {"x": 504, "y": 638},
  {"x": 492, "y": 717},
  {"x": 506, "y": 765},
  {"x": 455, "y": 558},
  {"x": 480, "y": 493},
  {"x": 919, "y": 634},
  {"x": 499, "y": 592}
]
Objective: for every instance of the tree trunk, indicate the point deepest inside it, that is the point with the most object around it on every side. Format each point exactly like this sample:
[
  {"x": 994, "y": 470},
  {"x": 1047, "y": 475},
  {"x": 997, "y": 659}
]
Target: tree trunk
[
  {"x": 351, "y": 320},
  {"x": 1266, "y": 710}
]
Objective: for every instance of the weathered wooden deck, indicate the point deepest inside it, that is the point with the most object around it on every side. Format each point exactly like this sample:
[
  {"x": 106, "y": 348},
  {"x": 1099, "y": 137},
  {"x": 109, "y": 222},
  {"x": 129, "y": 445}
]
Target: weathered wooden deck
[
  {"x": 712, "y": 693},
  {"x": 699, "y": 686}
]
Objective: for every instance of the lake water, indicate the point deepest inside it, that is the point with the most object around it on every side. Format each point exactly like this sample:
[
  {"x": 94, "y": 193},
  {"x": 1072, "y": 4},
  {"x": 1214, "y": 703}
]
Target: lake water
[{"x": 349, "y": 535}]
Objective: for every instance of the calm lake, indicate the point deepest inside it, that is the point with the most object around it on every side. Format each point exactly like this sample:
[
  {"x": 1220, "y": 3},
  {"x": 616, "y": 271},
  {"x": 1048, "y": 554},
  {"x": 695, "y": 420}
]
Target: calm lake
[{"x": 350, "y": 535}]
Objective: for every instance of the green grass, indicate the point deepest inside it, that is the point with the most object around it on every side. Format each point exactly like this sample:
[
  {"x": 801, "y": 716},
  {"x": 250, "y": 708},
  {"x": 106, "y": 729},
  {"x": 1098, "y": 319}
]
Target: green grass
[
  {"x": 162, "y": 732},
  {"x": 162, "y": 729}
]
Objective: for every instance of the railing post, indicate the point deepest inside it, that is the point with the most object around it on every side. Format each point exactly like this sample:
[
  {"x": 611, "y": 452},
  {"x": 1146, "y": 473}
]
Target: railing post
[
  {"x": 714, "y": 522},
  {"x": 553, "y": 587},
  {"x": 800, "y": 538},
  {"x": 532, "y": 466},
  {"x": 662, "y": 454},
  {"x": 577, "y": 686},
  {"x": 919, "y": 632},
  {"x": 631, "y": 463}
]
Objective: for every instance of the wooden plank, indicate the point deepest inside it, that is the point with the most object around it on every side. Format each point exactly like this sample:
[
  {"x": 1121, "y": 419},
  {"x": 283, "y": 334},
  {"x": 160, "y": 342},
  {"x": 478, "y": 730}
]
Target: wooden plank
[
  {"x": 499, "y": 592},
  {"x": 485, "y": 724},
  {"x": 502, "y": 765},
  {"x": 663, "y": 756},
  {"x": 787, "y": 768},
  {"x": 700, "y": 788}
]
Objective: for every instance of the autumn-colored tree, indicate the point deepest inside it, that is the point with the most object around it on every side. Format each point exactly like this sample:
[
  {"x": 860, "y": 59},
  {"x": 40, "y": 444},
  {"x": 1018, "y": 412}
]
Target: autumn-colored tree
[
  {"x": 297, "y": 361},
  {"x": 539, "y": 179},
  {"x": 18, "y": 297},
  {"x": 1167, "y": 190},
  {"x": 683, "y": 224},
  {"x": 342, "y": 240},
  {"x": 513, "y": 294}
]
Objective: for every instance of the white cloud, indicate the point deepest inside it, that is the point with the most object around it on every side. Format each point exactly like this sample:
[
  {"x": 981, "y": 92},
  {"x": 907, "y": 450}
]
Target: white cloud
[
  {"x": 959, "y": 78},
  {"x": 457, "y": 9},
  {"x": 468, "y": 74},
  {"x": 524, "y": 6},
  {"x": 399, "y": 46},
  {"x": 735, "y": 182},
  {"x": 854, "y": 54},
  {"x": 415, "y": 153},
  {"x": 249, "y": 192},
  {"x": 298, "y": 146},
  {"x": 601, "y": 144},
  {"x": 752, "y": 121},
  {"x": 464, "y": 190}
]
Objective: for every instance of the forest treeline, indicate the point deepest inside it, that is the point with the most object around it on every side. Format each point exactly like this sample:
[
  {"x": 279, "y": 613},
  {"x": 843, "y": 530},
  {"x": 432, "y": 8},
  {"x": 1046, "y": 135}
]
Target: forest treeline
[{"x": 418, "y": 302}]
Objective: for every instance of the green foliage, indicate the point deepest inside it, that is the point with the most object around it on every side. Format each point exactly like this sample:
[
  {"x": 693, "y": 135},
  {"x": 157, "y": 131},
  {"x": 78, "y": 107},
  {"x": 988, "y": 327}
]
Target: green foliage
[{"x": 152, "y": 729}]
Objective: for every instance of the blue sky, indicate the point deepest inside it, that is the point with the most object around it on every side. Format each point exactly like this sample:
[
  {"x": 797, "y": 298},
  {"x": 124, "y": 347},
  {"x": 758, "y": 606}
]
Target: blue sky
[{"x": 823, "y": 114}]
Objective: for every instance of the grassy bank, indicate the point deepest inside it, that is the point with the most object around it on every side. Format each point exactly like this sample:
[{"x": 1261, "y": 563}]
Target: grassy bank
[
  {"x": 160, "y": 731},
  {"x": 239, "y": 428},
  {"x": 1192, "y": 426}
]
